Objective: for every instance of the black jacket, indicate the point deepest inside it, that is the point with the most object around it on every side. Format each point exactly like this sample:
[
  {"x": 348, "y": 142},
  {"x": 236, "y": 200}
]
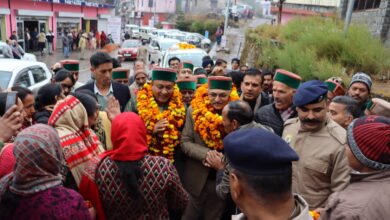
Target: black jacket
[
  {"x": 270, "y": 116},
  {"x": 121, "y": 92},
  {"x": 42, "y": 117}
]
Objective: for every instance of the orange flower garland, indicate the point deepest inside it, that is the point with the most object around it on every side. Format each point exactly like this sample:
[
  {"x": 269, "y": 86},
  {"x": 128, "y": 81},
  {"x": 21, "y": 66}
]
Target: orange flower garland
[
  {"x": 150, "y": 113},
  {"x": 315, "y": 215},
  {"x": 208, "y": 123}
]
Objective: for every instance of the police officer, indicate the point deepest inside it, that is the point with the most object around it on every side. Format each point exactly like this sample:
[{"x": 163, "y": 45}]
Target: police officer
[{"x": 319, "y": 141}]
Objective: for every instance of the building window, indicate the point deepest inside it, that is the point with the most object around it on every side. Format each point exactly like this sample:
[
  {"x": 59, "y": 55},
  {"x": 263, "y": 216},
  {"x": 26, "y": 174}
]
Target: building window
[{"x": 361, "y": 5}]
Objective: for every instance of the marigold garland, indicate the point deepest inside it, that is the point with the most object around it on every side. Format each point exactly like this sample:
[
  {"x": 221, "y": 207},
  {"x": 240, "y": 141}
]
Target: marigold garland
[
  {"x": 150, "y": 113},
  {"x": 315, "y": 215},
  {"x": 208, "y": 123}
]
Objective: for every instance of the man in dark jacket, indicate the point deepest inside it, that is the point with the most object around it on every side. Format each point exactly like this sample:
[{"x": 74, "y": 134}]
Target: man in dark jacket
[
  {"x": 252, "y": 90},
  {"x": 274, "y": 115},
  {"x": 103, "y": 86}
]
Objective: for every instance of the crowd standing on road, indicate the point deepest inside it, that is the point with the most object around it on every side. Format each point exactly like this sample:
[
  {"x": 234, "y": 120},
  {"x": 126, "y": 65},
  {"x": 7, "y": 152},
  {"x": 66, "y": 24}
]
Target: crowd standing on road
[{"x": 190, "y": 143}]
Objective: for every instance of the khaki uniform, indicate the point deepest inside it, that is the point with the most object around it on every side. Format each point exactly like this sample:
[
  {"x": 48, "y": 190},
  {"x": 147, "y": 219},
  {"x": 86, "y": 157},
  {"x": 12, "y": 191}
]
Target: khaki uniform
[
  {"x": 198, "y": 179},
  {"x": 323, "y": 166},
  {"x": 301, "y": 211}
]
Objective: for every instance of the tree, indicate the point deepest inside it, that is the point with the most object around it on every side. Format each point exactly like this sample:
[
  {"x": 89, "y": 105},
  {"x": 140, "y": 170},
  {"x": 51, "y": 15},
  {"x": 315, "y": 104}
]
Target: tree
[{"x": 280, "y": 6}]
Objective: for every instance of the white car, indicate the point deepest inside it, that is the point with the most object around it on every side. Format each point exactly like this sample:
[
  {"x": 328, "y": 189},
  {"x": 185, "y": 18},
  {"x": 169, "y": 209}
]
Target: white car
[
  {"x": 193, "y": 55},
  {"x": 26, "y": 56},
  {"x": 133, "y": 29},
  {"x": 176, "y": 35},
  {"x": 158, "y": 47},
  {"x": 198, "y": 40},
  {"x": 146, "y": 33},
  {"x": 29, "y": 74}
]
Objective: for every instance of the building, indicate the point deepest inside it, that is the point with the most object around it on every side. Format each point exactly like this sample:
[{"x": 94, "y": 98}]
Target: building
[
  {"x": 149, "y": 12},
  {"x": 374, "y": 13},
  {"x": 294, "y": 8},
  {"x": 56, "y": 15}
]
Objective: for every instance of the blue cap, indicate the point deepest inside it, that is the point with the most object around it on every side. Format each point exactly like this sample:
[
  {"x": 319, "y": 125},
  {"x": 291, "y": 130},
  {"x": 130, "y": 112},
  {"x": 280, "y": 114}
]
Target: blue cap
[
  {"x": 309, "y": 92},
  {"x": 258, "y": 152}
]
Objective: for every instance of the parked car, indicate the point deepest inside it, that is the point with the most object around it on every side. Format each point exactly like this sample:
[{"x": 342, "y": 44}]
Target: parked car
[
  {"x": 146, "y": 33},
  {"x": 160, "y": 33},
  {"x": 158, "y": 47},
  {"x": 133, "y": 30},
  {"x": 176, "y": 35},
  {"x": 29, "y": 74},
  {"x": 26, "y": 56},
  {"x": 193, "y": 55},
  {"x": 129, "y": 49},
  {"x": 198, "y": 40}
]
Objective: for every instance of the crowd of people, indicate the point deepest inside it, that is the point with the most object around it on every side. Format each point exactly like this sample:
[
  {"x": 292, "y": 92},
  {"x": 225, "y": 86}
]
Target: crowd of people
[{"x": 193, "y": 143}]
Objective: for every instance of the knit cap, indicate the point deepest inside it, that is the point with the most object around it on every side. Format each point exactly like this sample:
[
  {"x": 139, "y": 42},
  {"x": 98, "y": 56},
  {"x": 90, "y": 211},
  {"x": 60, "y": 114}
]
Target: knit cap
[
  {"x": 363, "y": 78},
  {"x": 369, "y": 140}
]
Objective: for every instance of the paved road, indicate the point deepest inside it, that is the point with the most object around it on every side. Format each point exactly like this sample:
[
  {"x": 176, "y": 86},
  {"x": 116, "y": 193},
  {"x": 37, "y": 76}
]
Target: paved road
[
  {"x": 235, "y": 37},
  {"x": 236, "y": 40},
  {"x": 85, "y": 72}
]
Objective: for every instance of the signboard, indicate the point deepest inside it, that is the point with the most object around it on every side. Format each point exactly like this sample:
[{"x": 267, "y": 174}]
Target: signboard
[
  {"x": 89, "y": 3},
  {"x": 114, "y": 28}
]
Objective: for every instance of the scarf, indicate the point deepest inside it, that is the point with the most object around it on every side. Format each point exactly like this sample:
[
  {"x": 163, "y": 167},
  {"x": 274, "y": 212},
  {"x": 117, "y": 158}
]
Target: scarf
[
  {"x": 79, "y": 143},
  {"x": 39, "y": 160},
  {"x": 128, "y": 135}
]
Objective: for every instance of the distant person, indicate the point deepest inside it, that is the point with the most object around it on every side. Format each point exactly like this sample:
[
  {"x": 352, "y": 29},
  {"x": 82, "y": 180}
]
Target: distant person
[
  {"x": 142, "y": 53},
  {"x": 17, "y": 50},
  {"x": 83, "y": 43},
  {"x": 13, "y": 36},
  {"x": 50, "y": 39},
  {"x": 235, "y": 64},
  {"x": 175, "y": 63},
  {"x": 218, "y": 35},
  {"x": 41, "y": 38},
  {"x": 103, "y": 39},
  {"x": 65, "y": 44},
  {"x": 27, "y": 40},
  {"x": 34, "y": 40},
  {"x": 47, "y": 97},
  {"x": 7, "y": 50}
]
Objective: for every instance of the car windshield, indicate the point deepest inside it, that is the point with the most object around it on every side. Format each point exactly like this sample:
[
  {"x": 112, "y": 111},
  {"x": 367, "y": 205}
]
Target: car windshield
[
  {"x": 128, "y": 44},
  {"x": 195, "y": 58},
  {"x": 166, "y": 45},
  {"x": 5, "y": 77}
]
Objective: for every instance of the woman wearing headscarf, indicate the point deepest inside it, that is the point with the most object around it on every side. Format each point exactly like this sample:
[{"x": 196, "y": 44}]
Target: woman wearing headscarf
[
  {"x": 79, "y": 143},
  {"x": 126, "y": 183},
  {"x": 34, "y": 189},
  {"x": 48, "y": 95}
]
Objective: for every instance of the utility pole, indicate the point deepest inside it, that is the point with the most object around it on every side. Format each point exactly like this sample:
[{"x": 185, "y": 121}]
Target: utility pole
[
  {"x": 348, "y": 17},
  {"x": 280, "y": 6},
  {"x": 154, "y": 13}
]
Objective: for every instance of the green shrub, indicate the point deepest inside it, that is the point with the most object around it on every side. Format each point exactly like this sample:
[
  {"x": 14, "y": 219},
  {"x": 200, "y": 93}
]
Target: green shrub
[{"x": 316, "y": 47}]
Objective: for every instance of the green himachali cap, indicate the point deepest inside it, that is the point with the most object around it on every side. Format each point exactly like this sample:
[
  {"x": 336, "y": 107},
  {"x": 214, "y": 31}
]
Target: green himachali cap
[
  {"x": 202, "y": 79},
  {"x": 165, "y": 74},
  {"x": 220, "y": 82},
  {"x": 188, "y": 65},
  {"x": 71, "y": 65},
  {"x": 120, "y": 73},
  {"x": 187, "y": 84},
  {"x": 290, "y": 79}
]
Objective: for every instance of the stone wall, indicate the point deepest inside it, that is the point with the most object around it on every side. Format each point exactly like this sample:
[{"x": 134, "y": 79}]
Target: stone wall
[{"x": 377, "y": 20}]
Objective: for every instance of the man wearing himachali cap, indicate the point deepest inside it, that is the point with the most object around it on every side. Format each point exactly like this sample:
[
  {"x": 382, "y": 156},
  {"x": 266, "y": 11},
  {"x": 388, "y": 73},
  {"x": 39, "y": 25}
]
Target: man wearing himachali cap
[
  {"x": 186, "y": 71},
  {"x": 319, "y": 141},
  {"x": 199, "y": 175},
  {"x": 74, "y": 67},
  {"x": 283, "y": 89},
  {"x": 187, "y": 89},
  {"x": 120, "y": 75}
]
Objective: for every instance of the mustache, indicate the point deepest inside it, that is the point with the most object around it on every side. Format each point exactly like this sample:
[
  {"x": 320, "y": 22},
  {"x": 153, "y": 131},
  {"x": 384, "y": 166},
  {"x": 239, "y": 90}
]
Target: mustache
[{"x": 311, "y": 121}]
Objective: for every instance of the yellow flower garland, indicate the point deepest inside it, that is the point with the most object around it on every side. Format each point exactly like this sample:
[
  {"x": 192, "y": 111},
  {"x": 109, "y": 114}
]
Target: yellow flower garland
[
  {"x": 208, "y": 123},
  {"x": 150, "y": 113}
]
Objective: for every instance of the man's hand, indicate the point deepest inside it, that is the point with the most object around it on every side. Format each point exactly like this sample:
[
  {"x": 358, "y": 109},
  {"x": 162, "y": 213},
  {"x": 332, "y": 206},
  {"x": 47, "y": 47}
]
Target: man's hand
[
  {"x": 113, "y": 108},
  {"x": 10, "y": 123},
  {"x": 160, "y": 126},
  {"x": 214, "y": 160}
]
